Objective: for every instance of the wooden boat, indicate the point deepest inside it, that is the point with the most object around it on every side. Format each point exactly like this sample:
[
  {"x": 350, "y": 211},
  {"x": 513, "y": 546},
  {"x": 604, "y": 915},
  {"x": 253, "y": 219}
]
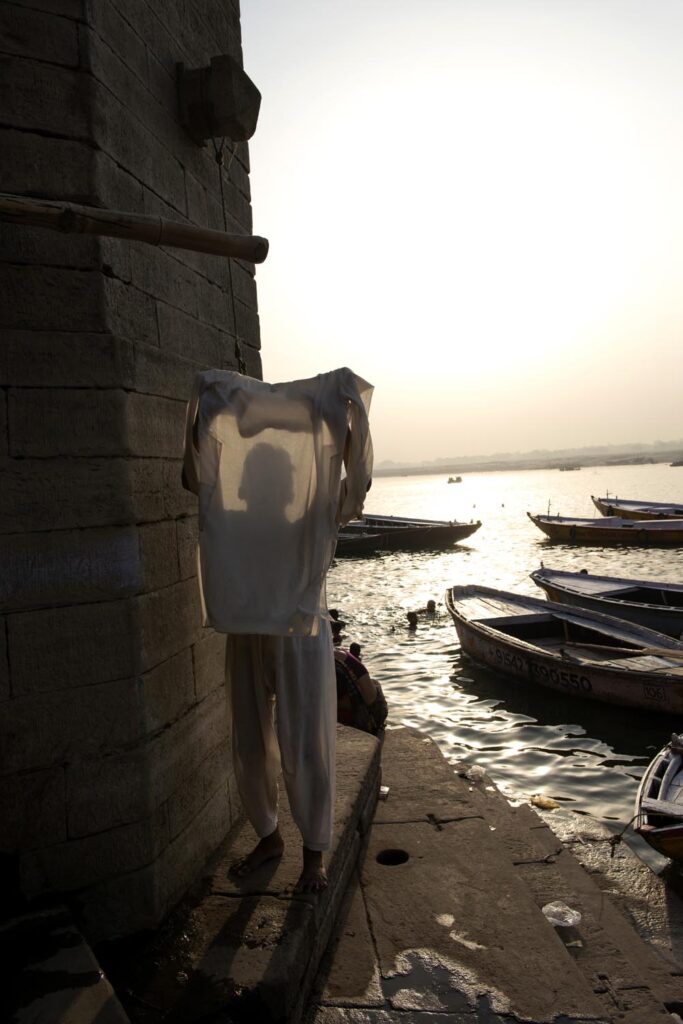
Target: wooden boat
[
  {"x": 611, "y": 530},
  {"x": 629, "y": 509},
  {"x": 659, "y": 803},
  {"x": 399, "y": 533},
  {"x": 570, "y": 650},
  {"x": 652, "y": 604},
  {"x": 352, "y": 544}
]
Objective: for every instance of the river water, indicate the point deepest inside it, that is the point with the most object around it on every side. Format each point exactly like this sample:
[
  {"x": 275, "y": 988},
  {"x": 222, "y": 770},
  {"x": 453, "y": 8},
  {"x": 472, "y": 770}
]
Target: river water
[{"x": 586, "y": 756}]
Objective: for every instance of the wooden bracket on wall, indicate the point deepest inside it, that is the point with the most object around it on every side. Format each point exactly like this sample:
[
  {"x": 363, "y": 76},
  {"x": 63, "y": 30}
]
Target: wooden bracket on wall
[{"x": 136, "y": 227}]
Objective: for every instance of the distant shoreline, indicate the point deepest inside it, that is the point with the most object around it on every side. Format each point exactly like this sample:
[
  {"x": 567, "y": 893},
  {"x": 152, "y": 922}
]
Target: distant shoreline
[{"x": 546, "y": 462}]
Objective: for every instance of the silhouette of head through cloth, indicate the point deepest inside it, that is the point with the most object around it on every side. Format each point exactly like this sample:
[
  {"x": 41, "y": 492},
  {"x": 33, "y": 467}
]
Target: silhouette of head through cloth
[{"x": 267, "y": 484}]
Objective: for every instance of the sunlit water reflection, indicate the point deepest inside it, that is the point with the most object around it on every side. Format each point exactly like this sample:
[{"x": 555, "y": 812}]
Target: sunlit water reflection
[{"x": 584, "y": 755}]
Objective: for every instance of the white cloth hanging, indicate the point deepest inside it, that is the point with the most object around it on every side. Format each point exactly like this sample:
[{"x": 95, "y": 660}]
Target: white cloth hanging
[{"x": 266, "y": 462}]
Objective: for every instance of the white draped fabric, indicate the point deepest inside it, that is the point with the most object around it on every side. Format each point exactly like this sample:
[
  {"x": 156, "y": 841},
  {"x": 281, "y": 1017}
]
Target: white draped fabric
[{"x": 266, "y": 462}]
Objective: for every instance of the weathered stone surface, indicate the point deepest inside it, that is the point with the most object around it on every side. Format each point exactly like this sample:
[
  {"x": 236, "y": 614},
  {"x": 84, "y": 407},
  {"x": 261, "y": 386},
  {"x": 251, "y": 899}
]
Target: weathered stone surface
[
  {"x": 177, "y": 752},
  {"x": 105, "y": 792},
  {"x": 158, "y": 555},
  {"x": 50, "y": 298},
  {"x": 168, "y": 691},
  {"x": 21, "y": 244},
  {"x": 170, "y": 620},
  {"x": 65, "y": 725},
  {"x": 66, "y": 566},
  {"x": 41, "y": 36},
  {"x": 178, "y": 502},
  {"x": 4, "y": 440},
  {"x": 50, "y": 167},
  {"x": 192, "y": 795},
  {"x": 67, "y": 421},
  {"x": 155, "y": 426},
  {"x": 349, "y": 972},
  {"x": 79, "y": 863},
  {"x": 4, "y": 667},
  {"x": 44, "y": 793},
  {"x": 209, "y": 663},
  {"x": 130, "y": 313},
  {"x": 194, "y": 845},
  {"x": 48, "y": 494},
  {"x": 66, "y": 360},
  {"x": 183, "y": 335},
  {"x": 42, "y": 97},
  {"x": 187, "y": 532},
  {"x": 75, "y": 646}
]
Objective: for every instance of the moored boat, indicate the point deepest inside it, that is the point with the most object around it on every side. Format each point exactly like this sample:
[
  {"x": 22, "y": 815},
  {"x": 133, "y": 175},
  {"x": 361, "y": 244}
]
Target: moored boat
[
  {"x": 400, "y": 533},
  {"x": 356, "y": 544},
  {"x": 570, "y": 650},
  {"x": 629, "y": 508},
  {"x": 611, "y": 530},
  {"x": 659, "y": 803},
  {"x": 654, "y": 604}
]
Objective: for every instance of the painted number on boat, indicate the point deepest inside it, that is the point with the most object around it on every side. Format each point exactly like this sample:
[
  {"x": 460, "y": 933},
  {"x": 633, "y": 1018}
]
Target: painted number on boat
[
  {"x": 509, "y": 659},
  {"x": 654, "y": 692},
  {"x": 559, "y": 677}
]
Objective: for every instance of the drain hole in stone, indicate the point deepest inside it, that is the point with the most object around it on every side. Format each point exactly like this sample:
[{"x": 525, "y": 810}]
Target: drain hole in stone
[{"x": 392, "y": 857}]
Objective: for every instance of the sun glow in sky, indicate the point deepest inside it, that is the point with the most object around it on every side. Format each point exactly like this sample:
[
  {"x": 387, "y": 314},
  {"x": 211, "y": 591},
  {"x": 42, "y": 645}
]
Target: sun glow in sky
[{"x": 477, "y": 205}]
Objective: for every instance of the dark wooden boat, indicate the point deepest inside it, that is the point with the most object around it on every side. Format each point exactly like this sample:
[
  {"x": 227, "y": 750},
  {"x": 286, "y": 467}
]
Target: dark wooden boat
[
  {"x": 571, "y": 650},
  {"x": 655, "y": 605},
  {"x": 400, "y": 533},
  {"x": 611, "y": 530},
  {"x": 352, "y": 544},
  {"x": 632, "y": 509},
  {"x": 659, "y": 803}
]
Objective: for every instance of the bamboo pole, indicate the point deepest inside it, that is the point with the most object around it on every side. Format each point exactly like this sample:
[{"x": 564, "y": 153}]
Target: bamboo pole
[{"x": 137, "y": 227}]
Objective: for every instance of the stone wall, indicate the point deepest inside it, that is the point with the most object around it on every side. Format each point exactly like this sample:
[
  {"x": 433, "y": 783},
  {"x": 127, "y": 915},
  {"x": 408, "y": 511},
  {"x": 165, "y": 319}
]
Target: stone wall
[{"x": 116, "y": 782}]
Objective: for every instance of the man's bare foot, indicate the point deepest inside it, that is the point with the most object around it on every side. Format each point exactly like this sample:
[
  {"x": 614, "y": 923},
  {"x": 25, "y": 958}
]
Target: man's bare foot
[
  {"x": 313, "y": 878},
  {"x": 269, "y": 848}
]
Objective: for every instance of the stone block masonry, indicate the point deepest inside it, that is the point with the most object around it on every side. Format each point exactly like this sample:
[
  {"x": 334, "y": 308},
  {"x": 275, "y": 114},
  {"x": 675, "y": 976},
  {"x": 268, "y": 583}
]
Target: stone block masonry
[{"x": 115, "y": 776}]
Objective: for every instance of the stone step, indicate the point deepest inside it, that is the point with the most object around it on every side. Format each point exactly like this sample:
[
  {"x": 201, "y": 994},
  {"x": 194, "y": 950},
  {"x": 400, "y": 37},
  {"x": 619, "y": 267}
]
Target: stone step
[
  {"x": 51, "y": 975},
  {"x": 249, "y": 949},
  {"x": 452, "y": 889}
]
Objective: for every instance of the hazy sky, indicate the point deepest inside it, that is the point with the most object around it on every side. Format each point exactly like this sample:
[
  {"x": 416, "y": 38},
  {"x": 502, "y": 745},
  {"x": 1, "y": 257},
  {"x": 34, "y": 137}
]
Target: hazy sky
[{"x": 478, "y": 206}]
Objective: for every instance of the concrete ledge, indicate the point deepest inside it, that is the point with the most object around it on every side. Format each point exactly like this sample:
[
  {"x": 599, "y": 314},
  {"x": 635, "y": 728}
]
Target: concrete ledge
[
  {"x": 250, "y": 949},
  {"x": 444, "y": 920}
]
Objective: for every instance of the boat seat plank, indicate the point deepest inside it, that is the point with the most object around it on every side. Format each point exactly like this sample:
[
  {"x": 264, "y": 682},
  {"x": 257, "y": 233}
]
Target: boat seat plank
[{"x": 667, "y": 807}]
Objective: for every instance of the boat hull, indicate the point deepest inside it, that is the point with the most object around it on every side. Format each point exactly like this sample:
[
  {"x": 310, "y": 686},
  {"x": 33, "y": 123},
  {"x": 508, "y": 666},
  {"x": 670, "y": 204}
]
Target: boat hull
[
  {"x": 659, "y": 820},
  {"x": 590, "y": 680},
  {"x": 662, "y": 618},
  {"x": 633, "y": 510},
  {"x": 601, "y": 533},
  {"x": 398, "y": 534}
]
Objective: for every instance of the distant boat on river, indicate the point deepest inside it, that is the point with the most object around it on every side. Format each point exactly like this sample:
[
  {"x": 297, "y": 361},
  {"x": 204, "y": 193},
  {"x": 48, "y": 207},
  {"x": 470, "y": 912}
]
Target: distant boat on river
[
  {"x": 652, "y": 604},
  {"x": 570, "y": 650},
  {"x": 611, "y": 530},
  {"x": 455, "y": 479},
  {"x": 632, "y": 508}
]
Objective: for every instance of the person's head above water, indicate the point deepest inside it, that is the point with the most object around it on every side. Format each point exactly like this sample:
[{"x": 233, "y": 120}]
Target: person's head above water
[
  {"x": 267, "y": 482},
  {"x": 412, "y": 619},
  {"x": 431, "y": 606}
]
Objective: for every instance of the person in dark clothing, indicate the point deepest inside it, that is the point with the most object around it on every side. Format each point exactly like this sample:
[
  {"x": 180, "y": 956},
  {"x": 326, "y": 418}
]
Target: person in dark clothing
[{"x": 360, "y": 700}]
